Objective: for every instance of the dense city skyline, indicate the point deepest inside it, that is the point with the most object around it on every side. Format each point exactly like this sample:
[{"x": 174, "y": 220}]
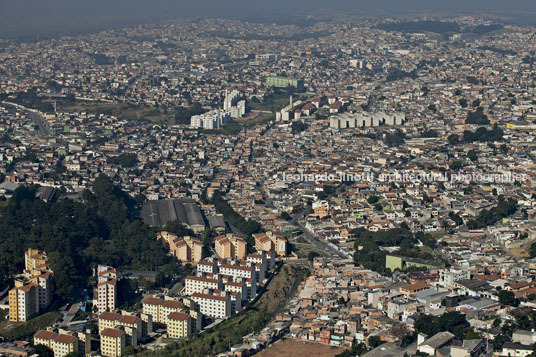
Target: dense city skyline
[{"x": 263, "y": 179}]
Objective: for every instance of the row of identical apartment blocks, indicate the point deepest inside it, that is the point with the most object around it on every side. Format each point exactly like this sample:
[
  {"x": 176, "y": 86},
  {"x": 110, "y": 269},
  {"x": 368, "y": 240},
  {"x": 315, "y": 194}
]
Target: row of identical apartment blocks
[
  {"x": 190, "y": 249},
  {"x": 218, "y": 290},
  {"x": 221, "y": 286},
  {"x": 364, "y": 119},
  {"x": 33, "y": 288},
  {"x": 117, "y": 330}
]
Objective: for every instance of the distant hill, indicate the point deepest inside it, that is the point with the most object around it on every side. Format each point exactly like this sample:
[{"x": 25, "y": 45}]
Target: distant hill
[{"x": 440, "y": 27}]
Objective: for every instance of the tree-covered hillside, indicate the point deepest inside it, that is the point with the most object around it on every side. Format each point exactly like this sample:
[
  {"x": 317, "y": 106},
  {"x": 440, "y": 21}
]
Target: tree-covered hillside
[{"x": 103, "y": 228}]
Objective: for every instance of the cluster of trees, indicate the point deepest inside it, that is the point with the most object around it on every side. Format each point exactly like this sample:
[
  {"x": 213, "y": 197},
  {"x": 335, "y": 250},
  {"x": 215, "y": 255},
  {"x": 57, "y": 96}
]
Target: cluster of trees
[
  {"x": 456, "y": 218},
  {"x": 481, "y": 134},
  {"x": 430, "y": 133},
  {"x": 246, "y": 226},
  {"x": 125, "y": 160},
  {"x": 183, "y": 114},
  {"x": 101, "y": 59},
  {"x": 394, "y": 74},
  {"x": 477, "y": 117},
  {"x": 472, "y": 80},
  {"x": 525, "y": 319},
  {"x": 504, "y": 208},
  {"x": 532, "y": 250},
  {"x": 440, "y": 27},
  {"x": 27, "y": 330},
  {"x": 298, "y": 127},
  {"x": 30, "y": 99},
  {"x": 453, "y": 322},
  {"x": 483, "y": 29},
  {"x": 367, "y": 246},
  {"x": 501, "y": 51},
  {"x": 508, "y": 298},
  {"x": 528, "y": 60},
  {"x": 103, "y": 229},
  {"x": 396, "y": 138}
]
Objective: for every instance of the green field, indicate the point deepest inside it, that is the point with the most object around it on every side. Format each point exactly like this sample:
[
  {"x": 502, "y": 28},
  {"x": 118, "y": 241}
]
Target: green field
[
  {"x": 125, "y": 111},
  {"x": 275, "y": 101},
  {"x": 155, "y": 115}
]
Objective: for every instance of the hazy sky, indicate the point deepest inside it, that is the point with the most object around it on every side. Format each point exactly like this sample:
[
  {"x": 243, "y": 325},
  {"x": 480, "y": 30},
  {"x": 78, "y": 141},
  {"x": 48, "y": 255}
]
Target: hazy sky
[{"x": 43, "y": 16}]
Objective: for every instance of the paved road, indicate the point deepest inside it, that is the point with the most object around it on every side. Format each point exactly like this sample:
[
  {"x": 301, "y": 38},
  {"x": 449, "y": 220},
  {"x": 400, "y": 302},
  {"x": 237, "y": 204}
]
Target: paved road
[
  {"x": 39, "y": 121},
  {"x": 315, "y": 242},
  {"x": 37, "y": 118},
  {"x": 310, "y": 237}
]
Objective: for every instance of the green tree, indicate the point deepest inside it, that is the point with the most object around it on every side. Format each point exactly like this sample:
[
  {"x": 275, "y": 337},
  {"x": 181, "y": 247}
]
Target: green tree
[
  {"x": 312, "y": 255},
  {"x": 471, "y": 154},
  {"x": 507, "y": 298},
  {"x": 43, "y": 351},
  {"x": 286, "y": 216},
  {"x": 375, "y": 341}
]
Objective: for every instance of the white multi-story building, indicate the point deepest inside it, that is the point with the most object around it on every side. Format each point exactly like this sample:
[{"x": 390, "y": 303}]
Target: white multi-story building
[
  {"x": 215, "y": 306},
  {"x": 206, "y": 266},
  {"x": 238, "y": 271},
  {"x": 105, "y": 294},
  {"x": 231, "y": 99},
  {"x": 447, "y": 278},
  {"x": 361, "y": 120},
  {"x": 196, "y": 284},
  {"x": 210, "y": 120}
]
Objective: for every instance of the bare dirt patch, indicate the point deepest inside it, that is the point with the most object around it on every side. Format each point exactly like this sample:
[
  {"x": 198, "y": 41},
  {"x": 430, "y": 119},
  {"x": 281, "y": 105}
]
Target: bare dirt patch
[{"x": 295, "y": 348}]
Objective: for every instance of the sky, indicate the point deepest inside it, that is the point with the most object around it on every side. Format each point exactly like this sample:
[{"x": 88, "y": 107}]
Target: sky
[{"x": 43, "y": 17}]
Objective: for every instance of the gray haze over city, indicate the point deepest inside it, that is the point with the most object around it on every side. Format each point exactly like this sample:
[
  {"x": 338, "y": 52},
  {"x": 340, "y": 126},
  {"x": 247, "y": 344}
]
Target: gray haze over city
[{"x": 59, "y": 17}]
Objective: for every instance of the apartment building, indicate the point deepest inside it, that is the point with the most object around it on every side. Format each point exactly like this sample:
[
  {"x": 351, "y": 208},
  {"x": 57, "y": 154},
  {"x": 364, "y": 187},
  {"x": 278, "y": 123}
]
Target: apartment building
[
  {"x": 216, "y": 306},
  {"x": 44, "y": 291},
  {"x": 106, "y": 296},
  {"x": 132, "y": 326},
  {"x": 179, "y": 325},
  {"x": 271, "y": 242},
  {"x": 186, "y": 249},
  {"x": 23, "y": 302},
  {"x": 238, "y": 286},
  {"x": 229, "y": 246},
  {"x": 33, "y": 289},
  {"x": 237, "y": 271},
  {"x": 207, "y": 267},
  {"x": 321, "y": 208},
  {"x": 196, "y": 284},
  {"x": 113, "y": 342},
  {"x": 267, "y": 259},
  {"x": 35, "y": 261},
  {"x": 160, "y": 309},
  {"x": 61, "y": 344},
  {"x": 105, "y": 293}
]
